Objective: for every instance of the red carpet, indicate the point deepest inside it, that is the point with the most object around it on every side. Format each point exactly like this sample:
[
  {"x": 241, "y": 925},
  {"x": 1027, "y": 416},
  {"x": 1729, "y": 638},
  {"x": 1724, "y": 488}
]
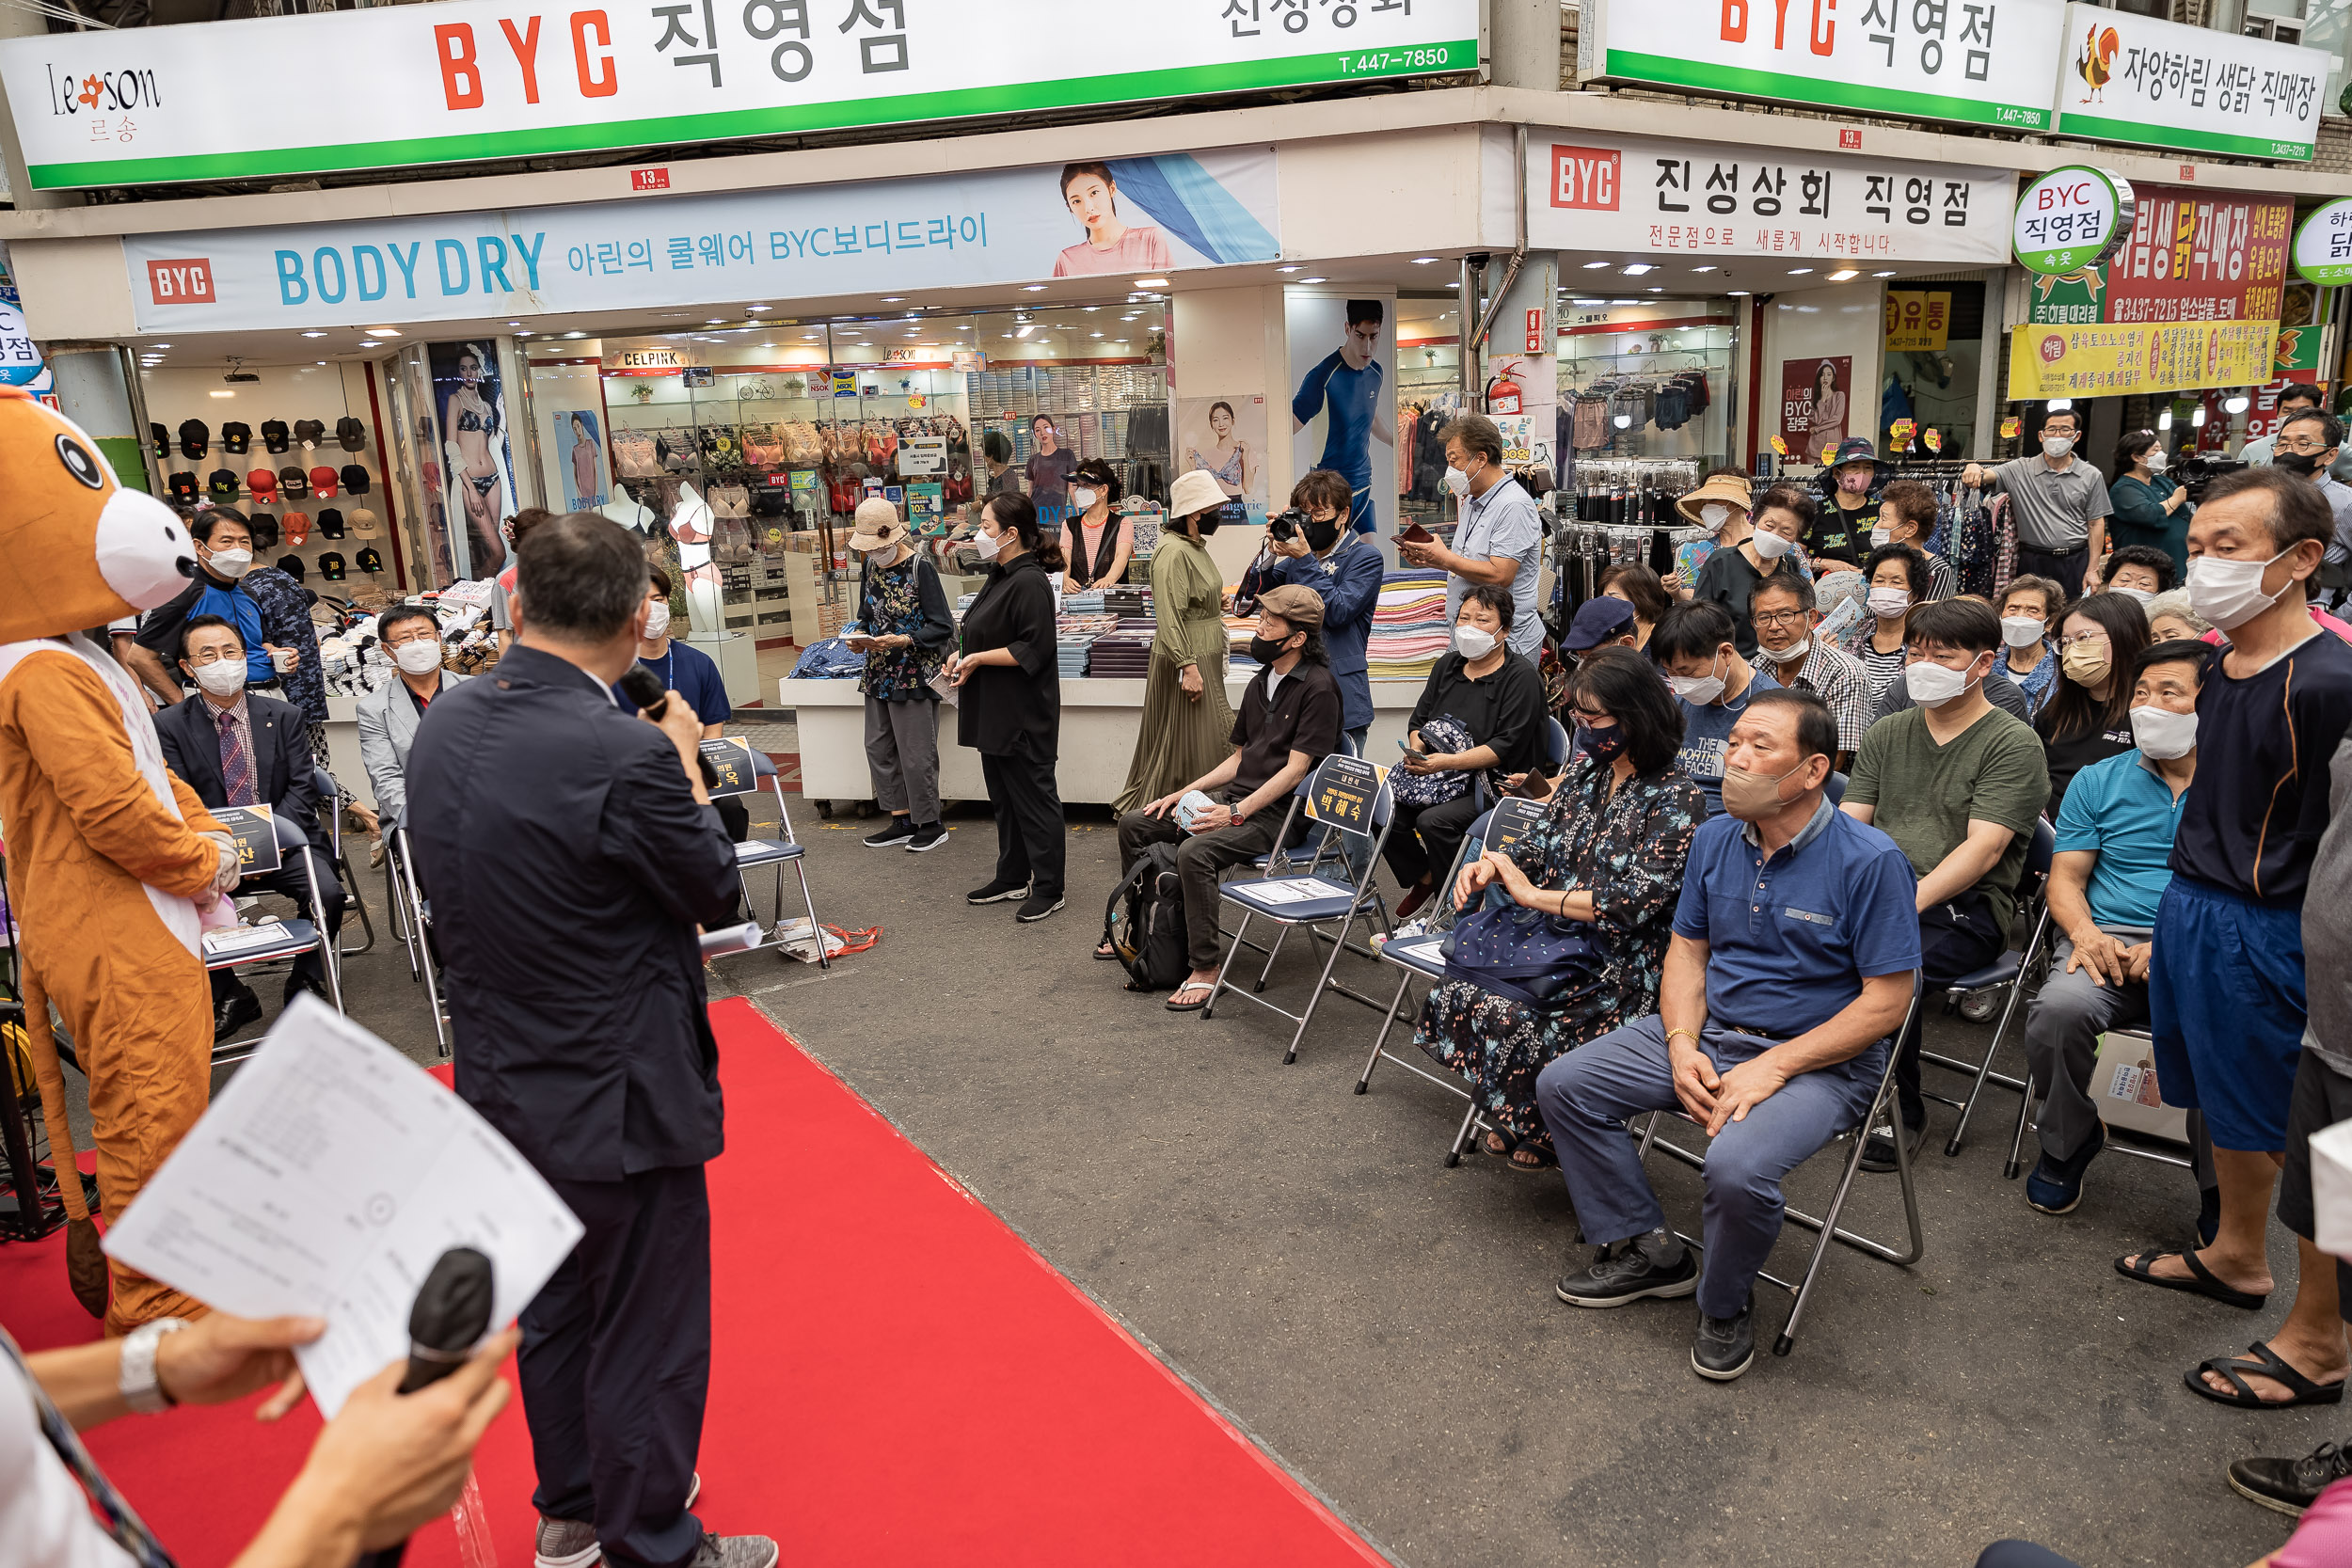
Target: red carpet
[{"x": 898, "y": 1378}]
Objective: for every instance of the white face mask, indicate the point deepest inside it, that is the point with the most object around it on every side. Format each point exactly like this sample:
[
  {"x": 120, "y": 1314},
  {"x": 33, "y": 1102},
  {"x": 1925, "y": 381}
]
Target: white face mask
[
  {"x": 2156, "y": 460},
  {"x": 2021, "y": 631},
  {"x": 1888, "y": 602},
  {"x": 1794, "y": 652},
  {"x": 232, "y": 564},
  {"x": 1698, "y": 690},
  {"x": 1474, "y": 642},
  {"x": 1770, "y": 545},
  {"x": 2230, "y": 593},
  {"x": 419, "y": 655},
  {"x": 2057, "y": 446},
  {"x": 1932, "y": 685},
  {"x": 1084, "y": 498},
  {"x": 1881, "y": 537},
  {"x": 657, "y": 622},
  {"x": 2141, "y": 593},
  {"x": 224, "y": 676},
  {"x": 2162, "y": 733},
  {"x": 988, "y": 543},
  {"x": 1714, "y": 514},
  {"x": 1457, "y": 481}
]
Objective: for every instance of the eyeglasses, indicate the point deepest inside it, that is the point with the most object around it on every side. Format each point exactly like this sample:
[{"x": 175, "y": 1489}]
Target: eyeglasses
[
  {"x": 2098, "y": 636},
  {"x": 1779, "y": 617},
  {"x": 213, "y": 656},
  {"x": 1591, "y": 720},
  {"x": 2285, "y": 445}
]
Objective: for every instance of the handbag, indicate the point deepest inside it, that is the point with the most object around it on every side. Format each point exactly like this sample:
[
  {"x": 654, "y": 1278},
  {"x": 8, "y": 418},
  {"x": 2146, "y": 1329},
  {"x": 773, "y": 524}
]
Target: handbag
[
  {"x": 1523, "y": 954},
  {"x": 1442, "y": 733}
]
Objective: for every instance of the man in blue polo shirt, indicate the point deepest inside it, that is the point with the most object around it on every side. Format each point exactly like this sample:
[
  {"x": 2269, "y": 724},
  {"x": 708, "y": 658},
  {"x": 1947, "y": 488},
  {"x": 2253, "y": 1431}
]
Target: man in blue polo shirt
[
  {"x": 2113, "y": 863},
  {"x": 1694, "y": 644},
  {"x": 692, "y": 675},
  {"x": 1794, "y": 948}
]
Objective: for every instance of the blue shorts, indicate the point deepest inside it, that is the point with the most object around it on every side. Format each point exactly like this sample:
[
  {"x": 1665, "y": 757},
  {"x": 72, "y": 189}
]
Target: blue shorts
[{"x": 2226, "y": 1010}]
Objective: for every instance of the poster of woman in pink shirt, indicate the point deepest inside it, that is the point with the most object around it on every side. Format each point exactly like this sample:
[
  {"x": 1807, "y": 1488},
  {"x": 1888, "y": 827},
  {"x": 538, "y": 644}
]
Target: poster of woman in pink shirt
[{"x": 1112, "y": 246}]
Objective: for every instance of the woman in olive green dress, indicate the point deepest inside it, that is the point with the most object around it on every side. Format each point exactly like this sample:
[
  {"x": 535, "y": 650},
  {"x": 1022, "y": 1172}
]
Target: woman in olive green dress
[{"x": 1187, "y": 724}]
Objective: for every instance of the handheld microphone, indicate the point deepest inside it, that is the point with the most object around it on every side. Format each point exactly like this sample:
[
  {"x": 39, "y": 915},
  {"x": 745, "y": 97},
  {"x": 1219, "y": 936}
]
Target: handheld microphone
[
  {"x": 643, "y": 688},
  {"x": 450, "y": 1315}
]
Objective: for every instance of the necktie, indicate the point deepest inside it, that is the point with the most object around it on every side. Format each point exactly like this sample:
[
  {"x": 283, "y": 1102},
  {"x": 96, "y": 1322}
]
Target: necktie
[
  {"x": 236, "y": 762},
  {"x": 121, "y": 1523}
]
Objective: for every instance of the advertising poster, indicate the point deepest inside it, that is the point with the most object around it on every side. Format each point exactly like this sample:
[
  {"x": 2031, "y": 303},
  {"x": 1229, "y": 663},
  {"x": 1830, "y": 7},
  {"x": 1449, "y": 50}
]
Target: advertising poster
[
  {"x": 1918, "y": 321},
  {"x": 1342, "y": 361},
  {"x": 1227, "y": 437},
  {"x": 577, "y": 436},
  {"x": 2119, "y": 360},
  {"x": 1119, "y": 217},
  {"x": 1815, "y": 397},
  {"x": 2135, "y": 79},
  {"x": 476, "y": 464}
]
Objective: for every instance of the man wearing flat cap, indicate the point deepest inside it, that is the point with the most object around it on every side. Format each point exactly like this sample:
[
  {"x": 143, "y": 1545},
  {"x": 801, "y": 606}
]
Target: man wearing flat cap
[{"x": 1289, "y": 722}]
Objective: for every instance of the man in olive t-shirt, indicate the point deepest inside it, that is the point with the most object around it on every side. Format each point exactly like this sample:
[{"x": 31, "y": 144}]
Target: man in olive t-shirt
[{"x": 1958, "y": 784}]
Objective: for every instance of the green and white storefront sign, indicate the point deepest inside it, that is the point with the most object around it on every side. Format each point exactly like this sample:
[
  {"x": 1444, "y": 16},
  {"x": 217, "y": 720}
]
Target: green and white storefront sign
[
  {"x": 2323, "y": 244},
  {"x": 2135, "y": 80},
  {"x": 2069, "y": 219}
]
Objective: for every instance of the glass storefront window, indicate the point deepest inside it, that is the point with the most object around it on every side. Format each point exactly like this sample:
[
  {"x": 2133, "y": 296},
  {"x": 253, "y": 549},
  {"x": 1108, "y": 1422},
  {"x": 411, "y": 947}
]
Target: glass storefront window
[{"x": 1647, "y": 379}]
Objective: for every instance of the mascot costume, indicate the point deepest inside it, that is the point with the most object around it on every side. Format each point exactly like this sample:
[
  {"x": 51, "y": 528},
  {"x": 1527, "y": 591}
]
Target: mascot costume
[{"x": 109, "y": 855}]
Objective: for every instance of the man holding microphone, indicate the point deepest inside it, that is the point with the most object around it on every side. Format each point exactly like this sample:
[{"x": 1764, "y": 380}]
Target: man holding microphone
[{"x": 572, "y": 851}]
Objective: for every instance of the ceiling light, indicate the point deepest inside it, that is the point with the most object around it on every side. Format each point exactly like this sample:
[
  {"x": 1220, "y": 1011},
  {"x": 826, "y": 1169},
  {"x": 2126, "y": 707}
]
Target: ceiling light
[
  {"x": 1423, "y": 261},
  {"x": 159, "y": 345},
  {"x": 233, "y": 394},
  {"x": 1638, "y": 268},
  {"x": 1314, "y": 280},
  {"x": 1882, "y": 275},
  {"x": 1702, "y": 269},
  {"x": 1293, "y": 267},
  {"x": 1843, "y": 273},
  {"x": 964, "y": 326},
  {"x": 1456, "y": 284},
  {"x": 514, "y": 324},
  {"x": 893, "y": 299},
  {"x": 1799, "y": 272},
  {"x": 1005, "y": 333},
  {"x": 1096, "y": 334},
  {"x": 2164, "y": 420},
  {"x": 320, "y": 363},
  {"x": 383, "y": 331},
  {"x": 1592, "y": 266},
  {"x": 1625, "y": 302},
  {"x": 314, "y": 334},
  {"x": 2235, "y": 404},
  {"x": 1656, "y": 288},
  {"x": 2197, "y": 419},
  {"x": 759, "y": 306},
  {"x": 1088, "y": 310},
  {"x": 1032, "y": 288},
  {"x": 1738, "y": 293},
  {"x": 525, "y": 334},
  {"x": 1150, "y": 282}
]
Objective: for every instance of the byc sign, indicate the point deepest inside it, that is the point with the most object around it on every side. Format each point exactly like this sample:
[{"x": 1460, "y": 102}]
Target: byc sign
[{"x": 2070, "y": 218}]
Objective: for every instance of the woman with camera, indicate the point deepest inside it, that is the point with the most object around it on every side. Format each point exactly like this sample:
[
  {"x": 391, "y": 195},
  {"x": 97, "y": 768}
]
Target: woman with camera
[
  {"x": 1187, "y": 722},
  {"x": 1009, "y": 687},
  {"x": 1312, "y": 545}
]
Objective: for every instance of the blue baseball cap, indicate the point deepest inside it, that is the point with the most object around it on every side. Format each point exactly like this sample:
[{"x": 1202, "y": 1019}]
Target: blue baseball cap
[{"x": 1598, "y": 621}]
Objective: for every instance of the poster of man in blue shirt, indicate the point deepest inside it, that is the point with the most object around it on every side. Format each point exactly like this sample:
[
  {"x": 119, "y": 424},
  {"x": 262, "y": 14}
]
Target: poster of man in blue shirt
[{"x": 1349, "y": 389}]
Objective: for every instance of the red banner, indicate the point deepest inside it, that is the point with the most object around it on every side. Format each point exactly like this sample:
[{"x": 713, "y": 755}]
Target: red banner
[{"x": 2195, "y": 256}]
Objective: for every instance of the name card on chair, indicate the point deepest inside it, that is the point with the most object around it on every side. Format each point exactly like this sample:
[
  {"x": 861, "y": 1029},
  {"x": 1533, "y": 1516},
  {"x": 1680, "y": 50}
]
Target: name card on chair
[
  {"x": 1344, "y": 790},
  {"x": 730, "y": 758},
  {"x": 255, "y": 828},
  {"x": 1515, "y": 816}
]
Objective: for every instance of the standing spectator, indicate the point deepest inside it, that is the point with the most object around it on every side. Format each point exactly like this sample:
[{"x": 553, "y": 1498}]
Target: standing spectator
[
  {"x": 2087, "y": 718},
  {"x": 2309, "y": 444},
  {"x": 1907, "y": 516},
  {"x": 2140, "y": 572},
  {"x": 1186, "y": 718},
  {"x": 271, "y": 642},
  {"x": 2112, "y": 865},
  {"x": 2030, "y": 608},
  {"x": 2293, "y": 400},
  {"x": 1851, "y": 494},
  {"x": 285, "y": 606},
  {"x": 1722, "y": 503},
  {"x": 1344, "y": 569},
  {"x": 1754, "y": 549},
  {"x": 1048, "y": 471},
  {"x": 1096, "y": 542},
  {"x": 997, "y": 457},
  {"x": 1958, "y": 784},
  {"x": 1640, "y": 587},
  {"x": 518, "y": 528},
  {"x": 1713, "y": 684},
  {"x": 907, "y": 632},
  {"x": 1009, "y": 684},
  {"x": 1783, "y": 613},
  {"x": 2225, "y": 998},
  {"x": 2149, "y": 506},
  {"x": 1500, "y": 539},
  {"x": 2059, "y": 502},
  {"x": 1897, "y": 575},
  {"x": 687, "y": 670}
]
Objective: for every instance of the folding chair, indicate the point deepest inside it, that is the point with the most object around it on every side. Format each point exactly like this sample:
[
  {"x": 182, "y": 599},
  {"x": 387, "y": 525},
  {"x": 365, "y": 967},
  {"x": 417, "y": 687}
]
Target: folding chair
[
  {"x": 1422, "y": 957},
  {"x": 2007, "y": 970},
  {"x": 774, "y": 852},
  {"x": 1826, "y": 1227},
  {"x": 412, "y": 917},
  {"x": 2040, "y": 950},
  {"x": 332, "y": 793},
  {"x": 301, "y": 936},
  {"x": 1352, "y": 795}
]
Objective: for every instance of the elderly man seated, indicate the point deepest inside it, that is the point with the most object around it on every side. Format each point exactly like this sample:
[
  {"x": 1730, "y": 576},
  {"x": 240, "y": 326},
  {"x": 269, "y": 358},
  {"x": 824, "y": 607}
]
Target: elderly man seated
[
  {"x": 389, "y": 715},
  {"x": 1794, "y": 946}
]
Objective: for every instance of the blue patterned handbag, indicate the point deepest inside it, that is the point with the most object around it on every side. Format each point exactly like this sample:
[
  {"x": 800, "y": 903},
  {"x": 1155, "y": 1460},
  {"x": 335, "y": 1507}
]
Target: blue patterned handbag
[
  {"x": 1523, "y": 955},
  {"x": 1441, "y": 735}
]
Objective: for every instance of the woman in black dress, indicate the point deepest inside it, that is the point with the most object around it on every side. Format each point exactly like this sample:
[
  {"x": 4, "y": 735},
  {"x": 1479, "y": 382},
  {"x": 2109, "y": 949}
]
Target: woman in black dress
[{"x": 1008, "y": 686}]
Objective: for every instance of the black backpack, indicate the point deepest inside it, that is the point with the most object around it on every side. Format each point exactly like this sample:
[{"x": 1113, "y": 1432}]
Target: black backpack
[{"x": 1152, "y": 949}]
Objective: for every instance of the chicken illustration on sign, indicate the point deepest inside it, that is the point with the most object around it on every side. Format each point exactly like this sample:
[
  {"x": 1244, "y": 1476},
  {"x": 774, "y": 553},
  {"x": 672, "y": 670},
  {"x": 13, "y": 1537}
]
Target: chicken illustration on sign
[{"x": 2096, "y": 65}]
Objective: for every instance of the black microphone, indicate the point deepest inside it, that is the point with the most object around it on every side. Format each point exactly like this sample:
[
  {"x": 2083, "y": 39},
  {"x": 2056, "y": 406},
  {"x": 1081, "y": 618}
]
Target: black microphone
[
  {"x": 643, "y": 688},
  {"x": 450, "y": 1316}
]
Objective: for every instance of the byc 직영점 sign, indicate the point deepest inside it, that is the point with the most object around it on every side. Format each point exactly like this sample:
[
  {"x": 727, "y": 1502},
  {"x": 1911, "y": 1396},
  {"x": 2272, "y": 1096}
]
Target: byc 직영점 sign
[
  {"x": 2072, "y": 217},
  {"x": 2323, "y": 246},
  {"x": 463, "y": 81}
]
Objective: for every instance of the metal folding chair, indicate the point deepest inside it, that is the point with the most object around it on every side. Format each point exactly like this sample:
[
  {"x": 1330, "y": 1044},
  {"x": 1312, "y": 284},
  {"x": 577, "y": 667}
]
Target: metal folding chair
[
  {"x": 2007, "y": 970},
  {"x": 1421, "y": 957},
  {"x": 301, "y": 936},
  {"x": 776, "y": 852},
  {"x": 1826, "y": 1226},
  {"x": 332, "y": 793},
  {"x": 1352, "y": 795},
  {"x": 412, "y": 918}
]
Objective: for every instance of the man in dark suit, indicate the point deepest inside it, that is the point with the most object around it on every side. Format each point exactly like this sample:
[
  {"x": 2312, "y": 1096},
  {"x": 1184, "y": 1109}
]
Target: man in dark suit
[
  {"x": 235, "y": 746},
  {"x": 572, "y": 850}
]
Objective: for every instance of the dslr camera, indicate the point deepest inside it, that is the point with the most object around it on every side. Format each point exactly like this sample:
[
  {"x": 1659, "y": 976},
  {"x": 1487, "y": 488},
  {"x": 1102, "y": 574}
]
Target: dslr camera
[{"x": 1286, "y": 525}]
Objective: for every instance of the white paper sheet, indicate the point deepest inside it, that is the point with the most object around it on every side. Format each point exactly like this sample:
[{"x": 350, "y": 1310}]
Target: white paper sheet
[
  {"x": 326, "y": 1179},
  {"x": 2331, "y": 1188},
  {"x": 1299, "y": 890}
]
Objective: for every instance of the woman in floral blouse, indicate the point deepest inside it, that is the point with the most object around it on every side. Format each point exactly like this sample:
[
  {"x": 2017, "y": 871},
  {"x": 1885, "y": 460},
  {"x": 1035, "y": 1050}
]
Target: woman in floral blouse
[{"x": 1609, "y": 853}]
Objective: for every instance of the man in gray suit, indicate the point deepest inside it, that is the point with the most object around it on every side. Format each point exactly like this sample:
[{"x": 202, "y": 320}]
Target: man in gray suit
[{"x": 389, "y": 716}]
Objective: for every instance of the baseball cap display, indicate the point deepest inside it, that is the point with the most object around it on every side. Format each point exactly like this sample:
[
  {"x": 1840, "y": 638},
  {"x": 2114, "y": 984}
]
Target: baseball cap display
[
  {"x": 221, "y": 484},
  {"x": 196, "y": 437},
  {"x": 331, "y": 567},
  {"x": 331, "y": 523},
  {"x": 369, "y": 561},
  {"x": 274, "y": 435},
  {"x": 363, "y": 523},
  {"x": 308, "y": 432},
  {"x": 237, "y": 439},
  {"x": 355, "y": 480},
  {"x": 262, "y": 484},
  {"x": 350, "y": 434},
  {"x": 297, "y": 528},
  {"x": 323, "y": 482},
  {"x": 292, "y": 565},
  {"x": 162, "y": 439},
  {"x": 182, "y": 485},
  {"x": 264, "y": 527},
  {"x": 294, "y": 482}
]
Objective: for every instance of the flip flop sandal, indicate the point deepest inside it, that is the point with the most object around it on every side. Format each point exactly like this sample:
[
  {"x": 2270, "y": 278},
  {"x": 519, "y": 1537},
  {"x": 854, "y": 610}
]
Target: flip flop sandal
[
  {"x": 1106, "y": 953},
  {"x": 1537, "y": 1159},
  {"x": 2267, "y": 1363},
  {"x": 2206, "y": 1282},
  {"x": 1200, "y": 986}
]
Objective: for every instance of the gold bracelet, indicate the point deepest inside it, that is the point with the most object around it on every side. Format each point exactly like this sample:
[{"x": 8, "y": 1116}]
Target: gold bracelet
[{"x": 1672, "y": 1033}]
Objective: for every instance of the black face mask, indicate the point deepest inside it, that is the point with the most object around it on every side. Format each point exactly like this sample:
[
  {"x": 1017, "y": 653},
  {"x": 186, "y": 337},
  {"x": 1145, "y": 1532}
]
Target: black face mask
[
  {"x": 1265, "y": 649},
  {"x": 1322, "y": 536},
  {"x": 2300, "y": 464},
  {"x": 1602, "y": 746}
]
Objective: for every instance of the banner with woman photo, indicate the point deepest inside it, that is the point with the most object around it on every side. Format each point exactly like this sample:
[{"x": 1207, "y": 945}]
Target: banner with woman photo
[
  {"x": 1227, "y": 437},
  {"x": 476, "y": 460}
]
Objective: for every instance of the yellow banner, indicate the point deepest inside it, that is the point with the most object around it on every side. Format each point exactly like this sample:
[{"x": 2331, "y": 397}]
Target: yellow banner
[
  {"x": 1918, "y": 322},
  {"x": 2152, "y": 356}
]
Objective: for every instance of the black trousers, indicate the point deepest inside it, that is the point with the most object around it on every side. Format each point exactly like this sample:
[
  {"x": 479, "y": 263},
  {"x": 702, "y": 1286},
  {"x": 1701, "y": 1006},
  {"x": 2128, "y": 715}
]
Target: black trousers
[
  {"x": 2066, "y": 570},
  {"x": 737, "y": 818},
  {"x": 1031, "y": 845},
  {"x": 1955, "y": 939},
  {"x": 615, "y": 1364},
  {"x": 1202, "y": 859},
  {"x": 289, "y": 880},
  {"x": 1425, "y": 839}
]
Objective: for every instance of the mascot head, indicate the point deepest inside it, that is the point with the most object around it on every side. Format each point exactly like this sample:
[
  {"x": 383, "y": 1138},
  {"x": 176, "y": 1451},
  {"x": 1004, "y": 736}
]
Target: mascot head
[{"x": 76, "y": 549}]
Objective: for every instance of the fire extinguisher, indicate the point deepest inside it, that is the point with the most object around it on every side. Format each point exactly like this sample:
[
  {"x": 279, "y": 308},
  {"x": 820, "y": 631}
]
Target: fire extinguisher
[{"x": 1502, "y": 393}]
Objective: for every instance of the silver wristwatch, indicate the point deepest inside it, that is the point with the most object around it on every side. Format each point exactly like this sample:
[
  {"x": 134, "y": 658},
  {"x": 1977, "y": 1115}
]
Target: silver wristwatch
[{"x": 140, "y": 1389}]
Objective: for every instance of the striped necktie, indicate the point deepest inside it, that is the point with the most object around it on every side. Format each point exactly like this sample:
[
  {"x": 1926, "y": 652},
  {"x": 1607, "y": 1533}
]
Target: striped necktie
[
  {"x": 120, "y": 1523},
  {"x": 236, "y": 761}
]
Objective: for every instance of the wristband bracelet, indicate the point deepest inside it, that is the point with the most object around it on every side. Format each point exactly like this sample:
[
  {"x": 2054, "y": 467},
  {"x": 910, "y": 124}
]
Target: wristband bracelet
[
  {"x": 1672, "y": 1033},
  {"x": 137, "y": 1380}
]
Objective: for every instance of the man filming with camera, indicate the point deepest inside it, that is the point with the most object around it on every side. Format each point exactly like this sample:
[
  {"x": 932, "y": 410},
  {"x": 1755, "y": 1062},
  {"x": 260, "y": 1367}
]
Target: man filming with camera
[{"x": 1312, "y": 545}]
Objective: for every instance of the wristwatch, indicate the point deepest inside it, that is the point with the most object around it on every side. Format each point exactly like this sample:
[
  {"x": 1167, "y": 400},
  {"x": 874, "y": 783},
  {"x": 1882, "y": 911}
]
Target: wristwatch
[{"x": 140, "y": 1389}]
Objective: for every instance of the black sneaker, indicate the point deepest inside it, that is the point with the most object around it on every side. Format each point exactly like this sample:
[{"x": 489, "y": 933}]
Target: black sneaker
[
  {"x": 1725, "y": 1347},
  {"x": 996, "y": 893},
  {"x": 2055, "y": 1186},
  {"x": 1878, "y": 1154},
  {"x": 900, "y": 830},
  {"x": 1039, "y": 908},
  {"x": 929, "y": 836},
  {"x": 234, "y": 1011},
  {"x": 2288, "y": 1485},
  {"x": 1625, "y": 1274}
]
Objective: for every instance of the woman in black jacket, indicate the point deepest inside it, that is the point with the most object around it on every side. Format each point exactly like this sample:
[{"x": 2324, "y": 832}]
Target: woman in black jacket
[{"x": 1009, "y": 687}]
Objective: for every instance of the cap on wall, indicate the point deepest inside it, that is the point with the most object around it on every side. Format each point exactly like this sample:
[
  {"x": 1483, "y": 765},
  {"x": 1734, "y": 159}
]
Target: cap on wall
[
  {"x": 297, "y": 528},
  {"x": 221, "y": 484},
  {"x": 363, "y": 523},
  {"x": 274, "y": 435},
  {"x": 237, "y": 439},
  {"x": 370, "y": 561},
  {"x": 308, "y": 432},
  {"x": 355, "y": 480},
  {"x": 351, "y": 434},
  {"x": 294, "y": 482},
  {"x": 263, "y": 484},
  {"x": 331, "y": 567},
  {"x": 292, "y": 565},
  {"x": 264, "y": 527},
  {"x": 196, "y": 438},
  {"x": 323, "y": 482},
  {"x": 331, "y": 523}
]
